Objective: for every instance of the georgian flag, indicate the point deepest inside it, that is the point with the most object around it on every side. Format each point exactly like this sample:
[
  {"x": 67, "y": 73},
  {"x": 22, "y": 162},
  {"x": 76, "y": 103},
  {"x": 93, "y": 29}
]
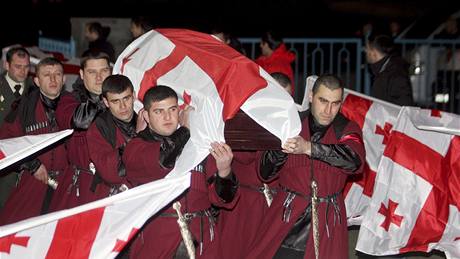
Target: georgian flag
[
  {"x": 415, "y": 203},
  {"x": 15, "y": 149},
  {"x": 376, "y": 119},
  {"x": 213, "y": 78},
  {"x": 99, "y": 229}
]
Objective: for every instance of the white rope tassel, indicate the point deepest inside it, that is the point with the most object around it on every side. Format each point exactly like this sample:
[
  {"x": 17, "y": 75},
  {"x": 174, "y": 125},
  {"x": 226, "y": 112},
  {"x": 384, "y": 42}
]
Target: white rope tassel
[{"x": 184, "y": 231}]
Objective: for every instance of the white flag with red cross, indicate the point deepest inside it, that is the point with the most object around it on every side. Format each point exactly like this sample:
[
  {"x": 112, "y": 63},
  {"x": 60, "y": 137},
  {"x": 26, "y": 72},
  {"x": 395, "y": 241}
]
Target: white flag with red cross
[
  {"x": 213, "y": 78},
  {"x": 415, "y": 202},
  {"x": 100, "y": 229},
  {"x": 14, "y": 149},
  {"x": 376, "y": 119}
]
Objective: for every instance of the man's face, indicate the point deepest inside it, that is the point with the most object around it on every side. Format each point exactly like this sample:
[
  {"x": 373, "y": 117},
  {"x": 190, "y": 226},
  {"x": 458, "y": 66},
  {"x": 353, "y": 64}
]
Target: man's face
[
  {"x": 90, "y": 35},
  {"x": 136, "y": 30},
  {"x": 18, "y": 68},
  {"x": 163, "y": 116},
  {"x": 371, "y": 54},
  {"x": 325, "y": 104},
  {"x": 50, "y": 79},
  {"x": 94, "y": 73},
  {"x": 121, "y": 105},
  {"x": 265, "y": 49}
]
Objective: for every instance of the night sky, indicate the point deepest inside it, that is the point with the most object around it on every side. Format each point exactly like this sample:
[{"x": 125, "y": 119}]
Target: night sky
[{"x": 244, "y": 18}]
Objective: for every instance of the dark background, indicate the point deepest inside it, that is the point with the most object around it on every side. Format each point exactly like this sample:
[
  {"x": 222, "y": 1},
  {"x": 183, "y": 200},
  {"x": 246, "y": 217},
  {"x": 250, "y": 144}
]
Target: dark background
[{"x": 22, "y": 19}]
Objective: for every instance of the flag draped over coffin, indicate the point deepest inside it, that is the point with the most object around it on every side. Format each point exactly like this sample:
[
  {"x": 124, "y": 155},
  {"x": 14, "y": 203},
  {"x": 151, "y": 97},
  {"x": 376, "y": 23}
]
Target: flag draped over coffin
[{"x": 213, "y": 78}]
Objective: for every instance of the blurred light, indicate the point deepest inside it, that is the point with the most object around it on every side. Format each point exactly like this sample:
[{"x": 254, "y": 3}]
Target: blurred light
[
  {"x": 417, "y": 70},
  {"x": 441, "y": 98}
]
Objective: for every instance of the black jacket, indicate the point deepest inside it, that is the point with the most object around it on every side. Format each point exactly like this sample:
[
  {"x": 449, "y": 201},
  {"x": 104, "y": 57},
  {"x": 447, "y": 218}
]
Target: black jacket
[
  {"x": 7, "y": 99},
  {"x": 391, "y": 81}
]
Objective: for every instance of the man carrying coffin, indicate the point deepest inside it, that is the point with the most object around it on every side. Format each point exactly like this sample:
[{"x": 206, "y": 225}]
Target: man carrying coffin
[
  {"x": 312, "y": 170},
  {"x": 151, "y": 156}
]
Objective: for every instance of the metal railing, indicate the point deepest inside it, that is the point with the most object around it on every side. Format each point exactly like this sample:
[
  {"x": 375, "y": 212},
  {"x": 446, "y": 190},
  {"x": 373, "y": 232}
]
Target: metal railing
[
  {"x": 67, "y": 48},
  {"x": 342, "y": 57},
  {"x": 434, "y": 66}
]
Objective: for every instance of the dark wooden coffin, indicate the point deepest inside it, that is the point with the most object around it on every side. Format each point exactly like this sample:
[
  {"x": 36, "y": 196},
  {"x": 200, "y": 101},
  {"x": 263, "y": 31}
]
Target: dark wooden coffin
[{"x": 243, "y": 133}]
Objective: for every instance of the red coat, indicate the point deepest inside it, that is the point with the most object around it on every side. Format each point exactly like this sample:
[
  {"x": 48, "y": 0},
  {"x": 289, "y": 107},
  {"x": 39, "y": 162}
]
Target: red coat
[
  {"x": 106, "y": 158},
  {"x": 78, "y": 156},
  {"x": 238, "y": 227},
  {"x": 295, "y": 175},
  {"x": 27, "y": 198},
  {"x": 161, "y": 236},
  {"x": 279, "y": 61}
]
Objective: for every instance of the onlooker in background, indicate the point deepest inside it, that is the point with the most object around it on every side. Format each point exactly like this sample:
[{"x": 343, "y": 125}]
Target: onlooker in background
[
  {"x": 15, "y": 80},
  {"x": 97, "y": 36},
  {"x": 450, "y": 31},
  {"x": 228, "y": 39},
  {"x": 139, "y": 26},
  {"x": 275, "y": 56},
  {"x": 395, "y": 29},
  {"x": 391, "y": 80},
  {"x": 13, "y": 83}
]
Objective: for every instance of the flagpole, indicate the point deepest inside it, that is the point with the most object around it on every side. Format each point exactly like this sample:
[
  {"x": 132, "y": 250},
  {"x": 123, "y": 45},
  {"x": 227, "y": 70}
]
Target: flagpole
[{"x": 372, "y": 99}]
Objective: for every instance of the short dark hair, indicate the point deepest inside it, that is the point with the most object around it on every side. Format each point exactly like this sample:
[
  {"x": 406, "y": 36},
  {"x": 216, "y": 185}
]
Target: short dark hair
[
  {"x": 281, "y": 78},
  {"x": 331, "y": 82},
  {"x": 116, "y": 84},
  {"x": 218, "y": 29},
  {"x": 20, "y": 51},
  {"x": 158, "y": 93},
  {"x": 102, "y": 31},
  {"x": 273, "y": 39},
  {"x": 382, "y": 43},
  {"x": 50, "y": 61},
  {"x": 143, "y": 22},
  {"x": 93, "y": 54}
]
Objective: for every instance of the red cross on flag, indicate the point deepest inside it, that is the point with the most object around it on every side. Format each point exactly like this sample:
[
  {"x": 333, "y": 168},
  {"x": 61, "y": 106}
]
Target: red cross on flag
[
  {"x": 415, "y": 202},
  {"x": 95, "y": 230},
  {"x": 213, "y": 78},
  {"x": 375, "y": 117}
]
